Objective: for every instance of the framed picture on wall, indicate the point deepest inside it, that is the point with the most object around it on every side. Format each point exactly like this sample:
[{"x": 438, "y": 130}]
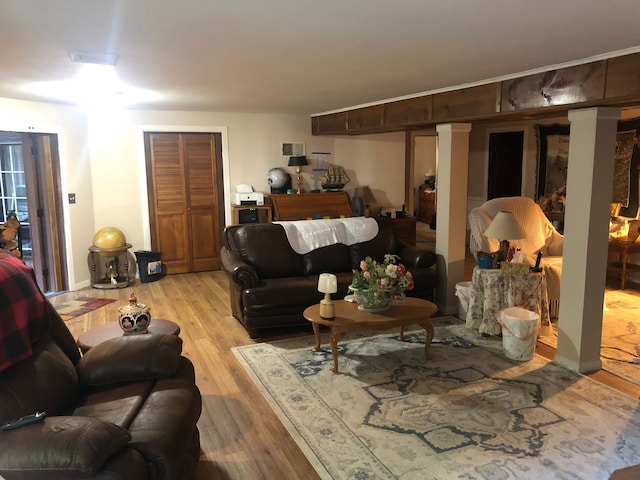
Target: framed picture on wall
[{"x": 553, "y": 158}]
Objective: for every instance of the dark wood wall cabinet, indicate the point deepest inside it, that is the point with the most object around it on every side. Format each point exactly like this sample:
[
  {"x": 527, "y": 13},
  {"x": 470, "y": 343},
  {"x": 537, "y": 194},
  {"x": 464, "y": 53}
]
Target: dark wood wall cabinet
[
  {"x": 426, "y": 204},
  {"x": 612, "y": 82},
  {"x": 309, "y": 206}
]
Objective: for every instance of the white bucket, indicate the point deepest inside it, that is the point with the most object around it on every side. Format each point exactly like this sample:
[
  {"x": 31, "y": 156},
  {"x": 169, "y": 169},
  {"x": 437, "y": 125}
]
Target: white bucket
[
  {"x": 519, "y": 332},
  {"x": 463, "y": 292}
]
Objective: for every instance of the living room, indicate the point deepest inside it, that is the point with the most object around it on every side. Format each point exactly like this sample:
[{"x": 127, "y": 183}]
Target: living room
[{"x": 102, "y": 162}]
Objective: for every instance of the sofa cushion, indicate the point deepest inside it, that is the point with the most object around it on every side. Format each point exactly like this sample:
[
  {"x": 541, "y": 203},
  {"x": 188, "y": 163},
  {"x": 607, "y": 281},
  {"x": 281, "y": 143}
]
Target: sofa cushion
[
  {"x": 60, "y": 447},
  {"x": 46, "y": 381},
  {"x": 130, "y": 358},
  {"x": 330, "y": 259},
  {"x": 267, "y": 249},
  {"x": 165, "y": 425},
  {"x": 117, "y": 404},
  {"x": 385, "y": 242}
]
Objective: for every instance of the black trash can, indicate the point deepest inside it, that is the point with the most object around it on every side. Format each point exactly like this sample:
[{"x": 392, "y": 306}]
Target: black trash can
[{"x": 149, "y": 265}]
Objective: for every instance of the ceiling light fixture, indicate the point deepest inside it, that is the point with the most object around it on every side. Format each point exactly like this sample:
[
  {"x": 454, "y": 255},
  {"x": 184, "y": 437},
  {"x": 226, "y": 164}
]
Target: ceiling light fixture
[{"x": 99, "y": 58}]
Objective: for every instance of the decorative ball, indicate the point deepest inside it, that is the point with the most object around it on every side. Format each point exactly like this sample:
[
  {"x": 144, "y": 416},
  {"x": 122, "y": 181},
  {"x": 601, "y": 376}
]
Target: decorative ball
[
  {"x": 109, "y": 237},
  {"x": 277, "y": 177}
]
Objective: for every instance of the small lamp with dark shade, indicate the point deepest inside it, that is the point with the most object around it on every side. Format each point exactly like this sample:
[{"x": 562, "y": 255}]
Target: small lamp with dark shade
[
  {"x": 505, "y": 227},
  {"x": 298, "y": 162}
]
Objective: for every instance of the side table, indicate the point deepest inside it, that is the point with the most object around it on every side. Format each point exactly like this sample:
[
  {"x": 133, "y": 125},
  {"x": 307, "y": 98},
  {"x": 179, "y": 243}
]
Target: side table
[
  {"x": 624, "y": 249},
  {"x": 101, "y": 333},
  {"x": 491, "y": 291}
]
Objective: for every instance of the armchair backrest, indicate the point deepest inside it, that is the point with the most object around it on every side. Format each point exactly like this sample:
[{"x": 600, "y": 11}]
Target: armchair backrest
[{"x": 541, "y": 234}]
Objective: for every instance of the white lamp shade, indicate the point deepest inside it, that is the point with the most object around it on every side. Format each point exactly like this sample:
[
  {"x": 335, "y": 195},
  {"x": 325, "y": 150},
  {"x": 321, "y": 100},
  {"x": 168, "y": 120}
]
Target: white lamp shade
[
  {"x": 505, "y": 226},
  {"x": 327, "y": 283}
]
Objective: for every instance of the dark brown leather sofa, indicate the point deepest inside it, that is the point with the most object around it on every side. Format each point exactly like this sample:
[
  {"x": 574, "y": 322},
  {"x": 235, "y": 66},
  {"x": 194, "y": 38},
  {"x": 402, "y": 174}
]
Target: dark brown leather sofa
[
  {"x": 127, "y": 409},
  {"x": 271, "y": 285}
]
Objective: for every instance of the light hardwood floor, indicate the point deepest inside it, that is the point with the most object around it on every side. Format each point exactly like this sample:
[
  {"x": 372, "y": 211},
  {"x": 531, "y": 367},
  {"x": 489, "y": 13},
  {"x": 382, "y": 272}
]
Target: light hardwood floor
[{"x": 241, "y": 437}]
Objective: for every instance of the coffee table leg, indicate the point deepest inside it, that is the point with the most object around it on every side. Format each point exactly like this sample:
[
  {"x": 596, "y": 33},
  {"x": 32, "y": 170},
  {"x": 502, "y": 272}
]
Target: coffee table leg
[
  {"x": 316, "y": 331},
  {"x": 335, "y": 338},
  {"x": 430, "y": 334}
]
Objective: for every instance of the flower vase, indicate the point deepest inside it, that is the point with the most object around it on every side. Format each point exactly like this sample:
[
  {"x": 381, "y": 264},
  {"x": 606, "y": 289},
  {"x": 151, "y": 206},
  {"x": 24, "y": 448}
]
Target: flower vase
[{"x": 371, "y": 303}]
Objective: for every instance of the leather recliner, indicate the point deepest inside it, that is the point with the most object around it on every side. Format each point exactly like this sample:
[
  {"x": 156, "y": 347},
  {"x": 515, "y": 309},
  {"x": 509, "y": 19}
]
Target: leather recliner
[{"x": 127, "y": 409}]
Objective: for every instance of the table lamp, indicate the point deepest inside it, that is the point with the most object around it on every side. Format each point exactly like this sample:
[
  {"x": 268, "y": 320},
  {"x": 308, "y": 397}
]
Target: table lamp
[
  {"x": 365, "y": 195},
  {"x": 505, "y": 227},
  {"x": 327, "y": 284},
  {"x": 298, "y": 162}
]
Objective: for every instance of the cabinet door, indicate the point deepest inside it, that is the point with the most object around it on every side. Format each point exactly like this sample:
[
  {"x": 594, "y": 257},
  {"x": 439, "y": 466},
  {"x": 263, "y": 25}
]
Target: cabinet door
[{"x": 183, "y": 201}]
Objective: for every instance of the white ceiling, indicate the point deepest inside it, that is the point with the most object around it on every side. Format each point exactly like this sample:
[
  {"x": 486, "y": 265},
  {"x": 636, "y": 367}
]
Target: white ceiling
[{"x": 304, "y": 56}]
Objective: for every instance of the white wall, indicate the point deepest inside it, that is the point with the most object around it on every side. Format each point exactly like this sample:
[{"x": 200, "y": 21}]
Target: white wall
[
  {"x": 251, "y": 146},
  {"x": 377, "y": 161},
  {"x": 102, "y": 162},
  {"x": 70, "y": 125}
]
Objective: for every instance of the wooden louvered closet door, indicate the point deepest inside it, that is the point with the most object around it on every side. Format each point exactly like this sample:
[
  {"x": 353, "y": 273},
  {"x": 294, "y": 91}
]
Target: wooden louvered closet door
[{"x": 185, "y": 199}]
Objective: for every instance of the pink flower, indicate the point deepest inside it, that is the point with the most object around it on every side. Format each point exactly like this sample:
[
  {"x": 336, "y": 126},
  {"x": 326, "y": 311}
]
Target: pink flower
[
  {"x": 363, "y": 265},
  {"x": 401, "y": 269}
]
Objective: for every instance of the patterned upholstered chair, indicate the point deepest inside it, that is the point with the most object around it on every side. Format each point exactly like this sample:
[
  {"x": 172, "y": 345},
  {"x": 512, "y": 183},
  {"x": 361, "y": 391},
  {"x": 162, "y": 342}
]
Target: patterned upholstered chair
[{"x": 541, "y": 237}]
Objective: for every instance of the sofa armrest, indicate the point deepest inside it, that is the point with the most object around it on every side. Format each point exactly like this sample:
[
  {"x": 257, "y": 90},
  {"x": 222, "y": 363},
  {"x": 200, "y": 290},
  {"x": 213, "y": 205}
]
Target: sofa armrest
[
  {"x": 130, "y": 358},
  {"x": 240, "y": 271},
  {"x": 414, "y": 257},
  {"x": 60, "y": 447}
]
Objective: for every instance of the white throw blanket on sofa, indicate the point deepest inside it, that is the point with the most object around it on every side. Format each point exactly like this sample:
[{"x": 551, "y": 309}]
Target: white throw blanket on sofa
[{"x": 307, "y": 235}]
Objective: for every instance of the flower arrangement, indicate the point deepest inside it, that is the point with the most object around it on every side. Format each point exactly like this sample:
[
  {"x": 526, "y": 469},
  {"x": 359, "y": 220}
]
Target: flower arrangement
[{"x": 388, "y": 279}]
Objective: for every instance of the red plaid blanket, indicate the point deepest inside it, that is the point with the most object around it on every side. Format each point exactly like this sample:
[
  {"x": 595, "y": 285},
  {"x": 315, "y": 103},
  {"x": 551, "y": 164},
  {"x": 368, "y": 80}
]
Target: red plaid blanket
[{"x": 23, "y": 313}]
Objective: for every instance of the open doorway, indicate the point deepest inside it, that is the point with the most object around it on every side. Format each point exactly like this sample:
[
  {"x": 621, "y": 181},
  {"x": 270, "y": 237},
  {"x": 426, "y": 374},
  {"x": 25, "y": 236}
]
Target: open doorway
[
  {"x": 30, "y": 190},
  {"x": 505, "y": 164},
  {"x": 425, "y": 154}
]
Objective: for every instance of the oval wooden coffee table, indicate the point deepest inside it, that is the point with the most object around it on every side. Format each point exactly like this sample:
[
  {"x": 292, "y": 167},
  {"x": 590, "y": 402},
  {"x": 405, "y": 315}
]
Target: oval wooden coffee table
[
  {"x": 101, "y": 333},
  {"x": 348, "y": 318}
]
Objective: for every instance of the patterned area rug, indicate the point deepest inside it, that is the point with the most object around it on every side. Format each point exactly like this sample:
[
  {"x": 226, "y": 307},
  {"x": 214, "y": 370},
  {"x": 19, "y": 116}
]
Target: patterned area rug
[
  {"x": 469, "y": 413},
  {"x": 620, "y": 335},
  {"x": 80, "y": 306}
]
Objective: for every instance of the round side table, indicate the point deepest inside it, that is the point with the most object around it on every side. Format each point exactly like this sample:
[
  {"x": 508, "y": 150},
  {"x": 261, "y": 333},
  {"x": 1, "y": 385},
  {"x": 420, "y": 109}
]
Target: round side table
[{"x": 96, "y": 335}]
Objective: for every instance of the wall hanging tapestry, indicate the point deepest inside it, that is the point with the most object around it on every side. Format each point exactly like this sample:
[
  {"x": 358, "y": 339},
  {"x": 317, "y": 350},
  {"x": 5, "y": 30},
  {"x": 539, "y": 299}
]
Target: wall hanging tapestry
[{"x": 553, "y": 161}]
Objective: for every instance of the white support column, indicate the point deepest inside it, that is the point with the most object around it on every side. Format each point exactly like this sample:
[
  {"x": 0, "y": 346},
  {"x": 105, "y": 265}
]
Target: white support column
[
  {"x": 592, "y": 147},
  {"x": 451, "y": 210}
]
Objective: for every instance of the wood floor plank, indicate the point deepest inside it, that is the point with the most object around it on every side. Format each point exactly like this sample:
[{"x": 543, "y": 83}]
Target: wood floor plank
[{"x": 241, "y": 436}]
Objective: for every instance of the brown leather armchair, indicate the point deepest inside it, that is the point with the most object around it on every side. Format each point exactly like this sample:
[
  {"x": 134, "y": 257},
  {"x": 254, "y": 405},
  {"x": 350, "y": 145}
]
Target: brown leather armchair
[{"x": 126, "y": 409}]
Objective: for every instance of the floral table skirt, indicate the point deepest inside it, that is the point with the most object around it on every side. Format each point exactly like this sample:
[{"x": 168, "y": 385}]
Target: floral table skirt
[{"x": 491, "y": 291}]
